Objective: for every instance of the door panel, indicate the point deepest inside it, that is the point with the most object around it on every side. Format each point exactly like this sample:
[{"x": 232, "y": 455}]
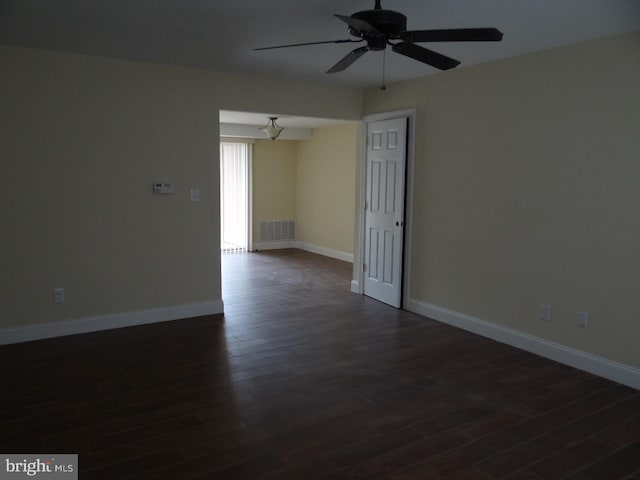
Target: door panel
[
  {"x": 390, "y": 200},
  {"x": 384, "y": 210}
]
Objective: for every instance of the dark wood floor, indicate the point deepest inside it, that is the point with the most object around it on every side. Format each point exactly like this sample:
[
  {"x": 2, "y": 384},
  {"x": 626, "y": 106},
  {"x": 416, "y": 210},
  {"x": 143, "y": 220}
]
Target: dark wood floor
[{"x": 303, "y": 380}]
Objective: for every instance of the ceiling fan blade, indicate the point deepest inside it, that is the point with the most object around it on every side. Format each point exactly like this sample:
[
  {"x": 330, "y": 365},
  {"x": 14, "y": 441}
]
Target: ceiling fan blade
[
  {"x": 308, "y": 43},
  {"x": 453, "y": 35},
  {"x": 359, "y": 25},
  {"x": 424, "y": 55},
  {"x": 348, "y": 60}
]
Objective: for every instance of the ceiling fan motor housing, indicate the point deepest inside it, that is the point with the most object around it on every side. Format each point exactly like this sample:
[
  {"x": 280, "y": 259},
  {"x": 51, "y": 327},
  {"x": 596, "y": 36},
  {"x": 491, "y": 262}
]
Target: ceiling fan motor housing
[{"x": 388, "y": 22}]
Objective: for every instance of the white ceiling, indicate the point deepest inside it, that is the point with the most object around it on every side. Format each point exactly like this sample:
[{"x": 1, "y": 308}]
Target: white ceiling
[
  {"x": 221, "y": 34},
  {"x": 287, "y": 121}
]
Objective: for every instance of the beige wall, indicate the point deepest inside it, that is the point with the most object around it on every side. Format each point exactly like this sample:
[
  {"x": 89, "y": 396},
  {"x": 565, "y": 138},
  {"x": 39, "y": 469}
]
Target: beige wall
[
  {"x": 82, "y": 140},
  {"x": 526, "y": 192},
  {"x": 525, "y": 185},
  {"x": 274, "y": 182},
  {"x": 326, "y": 179},
  {"x": 311, "y": 181}
]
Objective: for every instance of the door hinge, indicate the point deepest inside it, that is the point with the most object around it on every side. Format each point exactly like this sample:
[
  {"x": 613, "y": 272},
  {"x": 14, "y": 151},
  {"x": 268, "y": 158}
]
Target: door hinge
[{"x": 364, "y": 267}]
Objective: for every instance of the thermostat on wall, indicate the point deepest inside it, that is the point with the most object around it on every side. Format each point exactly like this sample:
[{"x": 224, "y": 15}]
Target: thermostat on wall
[{"x": 161, "y": 187}]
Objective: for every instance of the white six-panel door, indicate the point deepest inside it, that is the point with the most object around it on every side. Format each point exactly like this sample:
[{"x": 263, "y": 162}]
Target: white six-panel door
[{"x": 384, "y": 210}]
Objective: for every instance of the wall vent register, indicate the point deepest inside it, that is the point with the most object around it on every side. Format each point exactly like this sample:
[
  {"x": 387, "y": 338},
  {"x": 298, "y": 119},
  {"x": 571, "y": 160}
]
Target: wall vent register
[{"x": 277, "y": 231}]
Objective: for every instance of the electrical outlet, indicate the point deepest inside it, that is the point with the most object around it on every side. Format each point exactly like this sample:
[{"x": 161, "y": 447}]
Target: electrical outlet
[
  {"x": 583, "y": 319},
  {"x": 58, "y": 295},
  {"x": 544, "y": 313}
]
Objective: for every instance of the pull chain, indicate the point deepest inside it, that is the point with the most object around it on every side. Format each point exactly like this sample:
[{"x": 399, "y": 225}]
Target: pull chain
[{"x": 384, "y": 57}]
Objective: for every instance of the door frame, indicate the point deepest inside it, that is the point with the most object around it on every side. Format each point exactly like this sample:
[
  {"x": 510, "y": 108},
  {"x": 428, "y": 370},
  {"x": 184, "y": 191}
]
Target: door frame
[{"x": 357, "y": 285}]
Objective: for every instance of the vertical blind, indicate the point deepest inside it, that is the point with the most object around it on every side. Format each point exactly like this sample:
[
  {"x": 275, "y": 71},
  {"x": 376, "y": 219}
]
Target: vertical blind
[{"x": 234, "y": 180}]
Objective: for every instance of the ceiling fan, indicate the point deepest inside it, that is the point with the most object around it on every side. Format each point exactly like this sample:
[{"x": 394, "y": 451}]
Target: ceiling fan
[{"x": 380, "y": 27}]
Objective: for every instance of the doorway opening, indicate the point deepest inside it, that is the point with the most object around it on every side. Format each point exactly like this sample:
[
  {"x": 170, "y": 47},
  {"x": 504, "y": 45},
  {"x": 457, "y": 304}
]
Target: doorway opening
[{"x": 235, "y": 195}]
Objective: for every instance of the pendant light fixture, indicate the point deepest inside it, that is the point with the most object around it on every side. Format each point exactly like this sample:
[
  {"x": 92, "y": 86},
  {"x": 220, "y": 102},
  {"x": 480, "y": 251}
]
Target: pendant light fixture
[{"x": 272, "y": 129}]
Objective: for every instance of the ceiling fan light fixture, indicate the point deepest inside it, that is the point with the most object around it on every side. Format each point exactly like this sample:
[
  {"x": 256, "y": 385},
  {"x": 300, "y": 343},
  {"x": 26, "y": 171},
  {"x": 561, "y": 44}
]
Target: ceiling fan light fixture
[{"x": 272, "y": 129}]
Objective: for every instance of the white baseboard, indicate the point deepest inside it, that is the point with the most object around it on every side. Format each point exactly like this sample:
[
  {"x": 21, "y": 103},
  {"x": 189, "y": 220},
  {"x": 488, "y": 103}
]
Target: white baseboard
[
  {"x": 355, "y": 286},
  {"x": 327, "y": 252},
  {"x": 40, "y": 331},
  {"x": 618, "y": 372},
  {"x": 257, "y": 246},
  {"x": 309, "y": 247}
]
